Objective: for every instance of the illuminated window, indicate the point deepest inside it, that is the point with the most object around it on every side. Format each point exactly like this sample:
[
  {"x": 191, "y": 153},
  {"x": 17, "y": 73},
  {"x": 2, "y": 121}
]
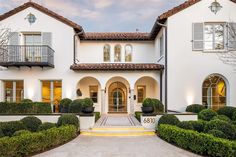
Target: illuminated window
[
  {"x": 13, "y": 91},
  {"x": 52, "y": 93},
  {"x": 106, "y": 53},
  {"x": 141, "y": 93},
  {"x": 117, "y": 54},
  {"x": 93, "y": 91},
  {"x": 128, "y": 53},
  {"x": 214, "y": 92}
]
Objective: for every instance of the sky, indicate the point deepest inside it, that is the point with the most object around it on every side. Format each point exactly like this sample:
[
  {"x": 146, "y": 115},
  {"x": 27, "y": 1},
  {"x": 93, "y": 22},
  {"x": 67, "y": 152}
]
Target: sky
[{"x": 104, "y": 15}]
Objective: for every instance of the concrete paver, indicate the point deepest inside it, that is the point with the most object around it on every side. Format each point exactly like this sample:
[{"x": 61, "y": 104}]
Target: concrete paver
[{"x": 142, "y": 146}]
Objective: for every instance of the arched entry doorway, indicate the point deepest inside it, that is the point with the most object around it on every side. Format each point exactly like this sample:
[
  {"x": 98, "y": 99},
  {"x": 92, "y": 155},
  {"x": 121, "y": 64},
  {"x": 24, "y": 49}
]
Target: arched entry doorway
[
  {"x": 214, "y": 92},
  {"x": 117, "y": 97}
]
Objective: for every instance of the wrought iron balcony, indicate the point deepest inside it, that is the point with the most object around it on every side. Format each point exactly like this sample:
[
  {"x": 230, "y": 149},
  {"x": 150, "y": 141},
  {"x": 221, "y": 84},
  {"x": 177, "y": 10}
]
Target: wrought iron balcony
[{"x": 26, "y": 55}]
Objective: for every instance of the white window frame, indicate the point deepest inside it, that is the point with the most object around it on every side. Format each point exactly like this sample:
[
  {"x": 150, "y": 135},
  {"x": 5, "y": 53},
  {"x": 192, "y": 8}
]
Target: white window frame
[
  {"x": 224, "y": 37},
  {"x": 14, "y": 90}
]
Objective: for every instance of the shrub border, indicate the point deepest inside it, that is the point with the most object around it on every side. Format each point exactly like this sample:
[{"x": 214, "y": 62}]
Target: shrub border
[
  {"x": 19, "y": 146},
  {"x": 196, "y": 142}
]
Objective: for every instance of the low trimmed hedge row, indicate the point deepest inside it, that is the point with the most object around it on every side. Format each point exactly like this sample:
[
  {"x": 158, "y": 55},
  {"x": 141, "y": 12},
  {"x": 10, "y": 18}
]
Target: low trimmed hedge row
[
  {"x": 29, "y": 143},
  {"x": 200, "y": 143},
  {"x": 25, "y": 108}
]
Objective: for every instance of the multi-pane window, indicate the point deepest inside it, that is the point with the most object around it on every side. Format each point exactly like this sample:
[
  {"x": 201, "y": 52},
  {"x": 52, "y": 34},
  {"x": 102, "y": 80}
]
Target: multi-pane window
[
  {"x": 128, "y": 53},
  {"x": 13, "y": 91},
  {"x": 33, "y": 50},
  {"x": 161, "y": 46},
  {"x": 141, "y": 90},
  {"x": 117, "y": 53},
  {"x": 214, "y": 36},
  {"x": 214, "y": 92},
  {"x": 106, "y": 53},
  {"x": 52, "y": 92},
  {"x": 93, "y": 92}
]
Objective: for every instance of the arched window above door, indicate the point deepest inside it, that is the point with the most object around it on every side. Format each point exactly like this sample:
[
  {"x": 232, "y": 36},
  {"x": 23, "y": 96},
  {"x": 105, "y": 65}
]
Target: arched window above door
[{"x": 214, "y": 92}]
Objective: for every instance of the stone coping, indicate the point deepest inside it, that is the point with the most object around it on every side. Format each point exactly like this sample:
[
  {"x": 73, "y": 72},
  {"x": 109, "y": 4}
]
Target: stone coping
[
  {"x": 184, "y": 113},
  {"x": 49, "y": 114}
]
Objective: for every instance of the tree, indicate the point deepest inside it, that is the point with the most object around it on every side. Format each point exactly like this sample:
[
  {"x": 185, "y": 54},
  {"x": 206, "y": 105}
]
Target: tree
[
  {"x": 229, "y": 56},
  {"x": 5, "y": 34}
]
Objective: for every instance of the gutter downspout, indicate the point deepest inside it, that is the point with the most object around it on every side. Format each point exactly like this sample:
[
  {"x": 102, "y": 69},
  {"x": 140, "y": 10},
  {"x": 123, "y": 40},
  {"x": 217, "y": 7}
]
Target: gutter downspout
[
  {"x": 166, "y": 47},
  {"x": 76, "y": 34}
]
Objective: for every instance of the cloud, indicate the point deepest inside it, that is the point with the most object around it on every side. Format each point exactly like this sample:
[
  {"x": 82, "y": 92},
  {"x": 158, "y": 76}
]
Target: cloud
[{"x": 104, "y": 15}]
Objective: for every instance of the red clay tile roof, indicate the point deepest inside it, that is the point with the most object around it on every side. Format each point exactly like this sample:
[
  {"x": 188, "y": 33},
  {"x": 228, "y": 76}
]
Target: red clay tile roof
[
  {"x": 115, "y": 66},
  {"x": 116, "y": 36},
  {"x": 44, "y": 10}
]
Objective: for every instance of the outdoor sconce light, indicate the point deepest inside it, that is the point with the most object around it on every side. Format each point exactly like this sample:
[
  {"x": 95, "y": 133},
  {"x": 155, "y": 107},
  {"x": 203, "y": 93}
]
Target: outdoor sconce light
[
  {"x": 78, "y": 92},
  {"x": 215, "y": 7}
]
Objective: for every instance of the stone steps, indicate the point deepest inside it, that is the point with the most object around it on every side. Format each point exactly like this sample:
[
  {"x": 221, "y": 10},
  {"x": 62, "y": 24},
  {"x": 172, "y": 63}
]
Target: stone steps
[{"x": 111, "y": 125}]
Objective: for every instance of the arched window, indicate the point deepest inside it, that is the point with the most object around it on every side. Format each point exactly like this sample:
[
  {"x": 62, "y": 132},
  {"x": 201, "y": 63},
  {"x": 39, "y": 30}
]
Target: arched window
[
  {"x": 214, "y": 92},
  {"x": 128, "y": 53},
  {"x": 106, "y": 53},
  {"x": 117, "y": 54}
]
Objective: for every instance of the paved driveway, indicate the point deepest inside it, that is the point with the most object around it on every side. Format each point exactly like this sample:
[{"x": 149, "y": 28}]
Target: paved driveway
[{"x": 144, "y": 146}]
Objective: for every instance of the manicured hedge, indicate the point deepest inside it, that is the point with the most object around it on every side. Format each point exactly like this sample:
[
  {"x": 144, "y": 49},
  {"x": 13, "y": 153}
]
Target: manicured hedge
[
  {"x": 97, "y": 116},
  {"x": 9, "y": 128},
  {"x": 200, "y": 143},
  {"x": 24, "y": 108},
  {"x": 227, "y": 111},
  {"x": 29, "y": 143},
  {"x": 195, "y": 108},
  {"x": 207, "y": 114},
  {"x": 138, "y": 115}
]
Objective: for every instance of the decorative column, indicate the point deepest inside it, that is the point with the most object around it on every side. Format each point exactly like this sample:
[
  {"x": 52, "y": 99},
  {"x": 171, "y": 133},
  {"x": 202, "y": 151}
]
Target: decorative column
[
  {"x": 103, "y": 102},
  {"x": 1, "y": 91},
  {"x": 131, "y": 101}
]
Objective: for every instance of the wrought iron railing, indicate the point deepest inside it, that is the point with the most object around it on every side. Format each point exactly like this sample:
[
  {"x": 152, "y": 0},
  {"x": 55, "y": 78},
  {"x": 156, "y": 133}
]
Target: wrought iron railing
[{"x": 26, "y": 54}]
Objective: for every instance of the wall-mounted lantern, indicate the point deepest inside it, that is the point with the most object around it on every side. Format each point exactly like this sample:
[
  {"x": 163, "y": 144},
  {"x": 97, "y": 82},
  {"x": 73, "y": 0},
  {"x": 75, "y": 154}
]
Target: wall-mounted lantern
[
  {"x": 215, "y": 7},
  {"x": 78, "y": 92}
]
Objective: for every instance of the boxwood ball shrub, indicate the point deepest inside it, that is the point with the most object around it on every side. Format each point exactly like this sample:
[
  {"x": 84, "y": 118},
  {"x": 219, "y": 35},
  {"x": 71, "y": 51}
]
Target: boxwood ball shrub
[
  {"x": 158, "y": 106},
  {"x": 87, "y": 102},
  {"x": 195, "y": 108},
  {"x": 68, "y": 119},
  {"x": 207, "y": 114},
  {"x": 186, "y": 125},
  {"x": 227, "y": 111},
  {"x": 20, "y": 132},
  {"x": 198, "y": 125},
  {"x": 31, "y": 143},
  {"x": 65, "y": 105},
  {"x": 75, "y": 106},
  {"x": 168, "y": 119},
  {"x": 46, "y": 126},
  {"x": 147, "y": 102},
  {"x": 222, "y": 117},
  {"x": 9, "y": 128},
  {"x": 223, "y": 126},
  {"x": 1, "y": 133},
  {"x": 217, "y": 133},
  {"x": 201, "y": 143},
  {"x": 31, "y": 123}
]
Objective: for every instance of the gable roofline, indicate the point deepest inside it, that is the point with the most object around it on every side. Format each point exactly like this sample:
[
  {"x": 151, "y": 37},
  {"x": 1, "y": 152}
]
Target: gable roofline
[
  {"x": 163, "y": 17},
  {"x": 48, "y": 12}
]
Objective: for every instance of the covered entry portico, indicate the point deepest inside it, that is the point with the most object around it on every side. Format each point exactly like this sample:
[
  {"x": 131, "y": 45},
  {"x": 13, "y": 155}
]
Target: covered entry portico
[{"x": 119, "y": 91}]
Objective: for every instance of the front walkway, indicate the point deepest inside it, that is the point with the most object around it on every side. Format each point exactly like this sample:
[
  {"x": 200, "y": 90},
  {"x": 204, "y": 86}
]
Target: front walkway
[{"x": 142, "y": 146}]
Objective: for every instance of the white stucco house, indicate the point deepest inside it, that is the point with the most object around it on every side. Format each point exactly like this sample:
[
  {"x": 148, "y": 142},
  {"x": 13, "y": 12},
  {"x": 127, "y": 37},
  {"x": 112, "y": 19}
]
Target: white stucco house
[{"x": 50, "y": 57}]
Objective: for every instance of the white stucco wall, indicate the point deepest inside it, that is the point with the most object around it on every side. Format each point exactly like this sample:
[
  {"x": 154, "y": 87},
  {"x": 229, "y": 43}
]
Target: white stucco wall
[
  {"x": 92, "y": 51},
  {"x": 188, "y": 69}
]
